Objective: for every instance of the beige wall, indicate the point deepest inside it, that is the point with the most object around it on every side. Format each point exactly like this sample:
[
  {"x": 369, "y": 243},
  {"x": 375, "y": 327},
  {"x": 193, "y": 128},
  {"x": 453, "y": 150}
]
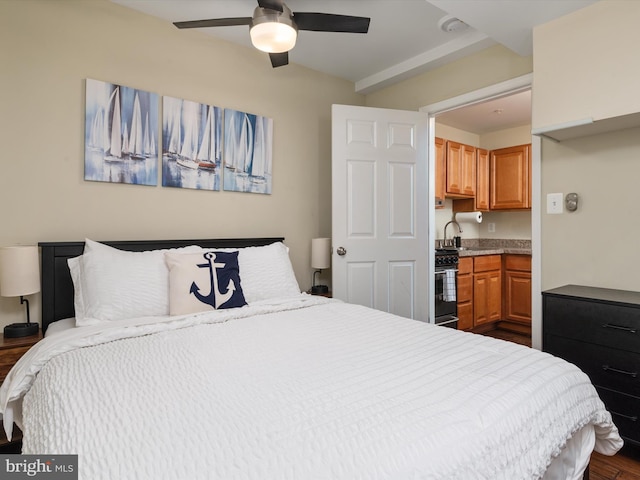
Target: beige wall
[
  {"x": 597, "y": 244},
  {"x": 488, "y": 67},
  {"x": 50, "y": 47},
  {"x": 585, "y": 64}
]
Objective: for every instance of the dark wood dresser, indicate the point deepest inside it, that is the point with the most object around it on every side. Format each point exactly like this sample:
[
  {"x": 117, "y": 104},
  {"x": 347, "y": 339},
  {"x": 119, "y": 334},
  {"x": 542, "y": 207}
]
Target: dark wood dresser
[{"x": 598, "y": 329}]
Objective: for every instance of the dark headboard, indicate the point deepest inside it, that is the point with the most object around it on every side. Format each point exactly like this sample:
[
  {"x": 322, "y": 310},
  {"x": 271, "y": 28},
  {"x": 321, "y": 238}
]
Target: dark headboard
[{"x": 57, "y": 287}]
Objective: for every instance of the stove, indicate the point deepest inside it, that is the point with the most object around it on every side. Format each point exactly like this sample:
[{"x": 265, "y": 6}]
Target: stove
[{"x": 446, "y": 284}]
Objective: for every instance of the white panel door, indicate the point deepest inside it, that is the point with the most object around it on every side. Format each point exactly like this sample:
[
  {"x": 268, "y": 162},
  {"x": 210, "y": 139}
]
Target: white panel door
[{"x": 380, "y": 209}]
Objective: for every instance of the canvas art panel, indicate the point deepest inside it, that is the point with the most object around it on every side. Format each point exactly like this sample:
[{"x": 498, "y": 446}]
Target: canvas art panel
[
  {"x": 121, "y": 125},
  {"x": 191, "y": 144},
  {"x": 248, "y": 147}
]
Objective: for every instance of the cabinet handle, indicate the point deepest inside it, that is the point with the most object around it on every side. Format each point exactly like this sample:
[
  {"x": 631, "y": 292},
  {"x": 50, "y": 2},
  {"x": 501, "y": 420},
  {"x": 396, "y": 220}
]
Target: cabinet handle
[
  {"x": 607, "y": 368},
  {"x": 619, "y": 327},
  {"x": 443, "y": 272},
  {"x": 633, "y": 418}
]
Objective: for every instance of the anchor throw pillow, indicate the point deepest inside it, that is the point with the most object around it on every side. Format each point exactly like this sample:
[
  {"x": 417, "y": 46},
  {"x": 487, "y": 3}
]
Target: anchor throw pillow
[{"x": 203, "y": 281}]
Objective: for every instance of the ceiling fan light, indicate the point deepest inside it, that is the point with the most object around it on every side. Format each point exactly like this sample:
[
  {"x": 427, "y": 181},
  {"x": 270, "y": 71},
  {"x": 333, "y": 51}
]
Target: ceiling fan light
[{"x": 273, "y": 37}]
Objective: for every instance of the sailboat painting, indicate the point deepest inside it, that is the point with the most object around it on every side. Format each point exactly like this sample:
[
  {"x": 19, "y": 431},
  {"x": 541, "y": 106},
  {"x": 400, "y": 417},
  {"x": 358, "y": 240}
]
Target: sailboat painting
[
  {"x": 191, "y": 144},
  {"x": 248, "y": 147},
  {"x": 121, "y": 125}
]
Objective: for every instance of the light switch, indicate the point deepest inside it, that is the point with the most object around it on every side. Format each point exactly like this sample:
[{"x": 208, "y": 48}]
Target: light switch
[{"x": 554, "y": 203}]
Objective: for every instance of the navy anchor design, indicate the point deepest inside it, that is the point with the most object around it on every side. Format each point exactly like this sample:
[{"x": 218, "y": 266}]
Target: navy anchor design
[{"x": 215, "y": 297}]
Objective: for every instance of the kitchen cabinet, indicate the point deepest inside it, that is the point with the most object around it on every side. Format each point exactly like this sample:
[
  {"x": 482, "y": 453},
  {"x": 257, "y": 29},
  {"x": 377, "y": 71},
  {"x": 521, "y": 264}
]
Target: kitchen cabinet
[
  {"x": 461, "y": 170},
  {"x": 596, "y": 329},
  {"x": 482, "y": 180},
  {"x": 510, "y": 178},
  {"x": 487, "y": 289},
  {"x": 517, "y": 289},
  {"x": 503, "y": 181},
  {"x": 465, "y": 293},
  {"x": 441, "y": 172}
]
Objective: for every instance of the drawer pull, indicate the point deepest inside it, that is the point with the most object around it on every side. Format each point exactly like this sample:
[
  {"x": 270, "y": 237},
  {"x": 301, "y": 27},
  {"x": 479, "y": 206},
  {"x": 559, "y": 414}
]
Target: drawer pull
[
  {"x": 619, "y": 327},
  {"x": 633, "y": 418},
  {"x": 607, "y": 368}
]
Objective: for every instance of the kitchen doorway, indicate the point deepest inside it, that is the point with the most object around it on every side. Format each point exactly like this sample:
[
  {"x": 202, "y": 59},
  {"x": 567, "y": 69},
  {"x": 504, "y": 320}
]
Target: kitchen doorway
[{"x": 460, "y": 113}]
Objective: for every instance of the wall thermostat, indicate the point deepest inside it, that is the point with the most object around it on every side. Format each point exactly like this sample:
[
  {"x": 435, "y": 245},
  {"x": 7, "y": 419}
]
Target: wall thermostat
[{"x": 571, "y": 201}]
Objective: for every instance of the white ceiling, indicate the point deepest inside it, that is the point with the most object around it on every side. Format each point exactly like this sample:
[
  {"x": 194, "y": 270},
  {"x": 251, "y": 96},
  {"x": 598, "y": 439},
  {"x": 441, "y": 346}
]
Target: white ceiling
[
  {"x": 404, "y": 38},
  {"x": 493, "y": 115}
]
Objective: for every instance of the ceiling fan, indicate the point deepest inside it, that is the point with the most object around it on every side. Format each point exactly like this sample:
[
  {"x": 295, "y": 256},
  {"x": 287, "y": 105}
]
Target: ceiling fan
[{"x": 274, "y": 27}]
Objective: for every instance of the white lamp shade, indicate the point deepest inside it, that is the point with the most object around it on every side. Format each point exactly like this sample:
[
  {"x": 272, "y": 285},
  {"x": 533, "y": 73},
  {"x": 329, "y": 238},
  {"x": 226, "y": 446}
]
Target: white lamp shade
[
  {"x": 19, "y": 271},
  {"x": 273, "y": 37},
  {"x": 321, "y": 253}
]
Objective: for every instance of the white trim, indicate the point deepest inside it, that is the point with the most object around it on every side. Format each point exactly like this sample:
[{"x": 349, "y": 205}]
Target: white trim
[
  {"x": 498, "y": 90},
  {"x": 502, "y": 89}
]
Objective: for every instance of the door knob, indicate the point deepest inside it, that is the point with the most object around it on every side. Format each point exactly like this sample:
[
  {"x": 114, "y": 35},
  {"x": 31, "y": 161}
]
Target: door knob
[{"x": 341, "y": 251}]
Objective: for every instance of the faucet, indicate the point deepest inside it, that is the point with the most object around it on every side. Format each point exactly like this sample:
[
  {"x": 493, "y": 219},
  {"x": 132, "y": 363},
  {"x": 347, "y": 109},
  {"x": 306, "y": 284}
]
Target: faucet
[{"x": 445, "y": 230}]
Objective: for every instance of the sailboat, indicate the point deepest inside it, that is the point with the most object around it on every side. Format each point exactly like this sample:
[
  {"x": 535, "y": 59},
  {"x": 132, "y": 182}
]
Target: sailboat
[
  {"x": 259, "y": 160},
  {"x": 96, "y": 135},
  {"x": 190, "y": 140},
  {"x": 125, "y": 141},
  {"x": 206, "y": 153},
  {"x": 173, "y": 145},
  {"x": 136, "y": 145},
  {"x": 114, "y": 151},
  {"x": 230, "y": 144},
  {"x": 244, "y": 148},
  {"x": 146, "y": 142}
]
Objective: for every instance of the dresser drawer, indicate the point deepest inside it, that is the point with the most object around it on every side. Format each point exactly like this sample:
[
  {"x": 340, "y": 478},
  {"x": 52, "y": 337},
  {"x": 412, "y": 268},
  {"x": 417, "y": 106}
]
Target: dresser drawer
[
  {"x": 607, "y": 367},
  {"x": 487, "y": 263},
  {"x": 625, "y": 411},
  {"x": 615, "y": 326}
]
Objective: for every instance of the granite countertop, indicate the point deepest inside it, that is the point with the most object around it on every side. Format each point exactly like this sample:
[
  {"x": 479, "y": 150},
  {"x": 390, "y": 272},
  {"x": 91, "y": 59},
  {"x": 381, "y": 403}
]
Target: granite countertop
[
  {"x": 494, "y": 246},
  {"x": 475, "y": 252}
]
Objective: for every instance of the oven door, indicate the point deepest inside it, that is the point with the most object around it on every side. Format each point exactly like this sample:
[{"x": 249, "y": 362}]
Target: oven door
[{"x": 443, "y": 307}]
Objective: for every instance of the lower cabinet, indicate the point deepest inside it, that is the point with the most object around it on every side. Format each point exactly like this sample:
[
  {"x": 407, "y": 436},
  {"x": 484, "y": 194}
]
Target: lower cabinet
[
  {"x": 479, "y": 291},
  {"x": 465, "y": 293},
  {"x": 487, "y": 289},
  {"x": 517, "y": 289}
]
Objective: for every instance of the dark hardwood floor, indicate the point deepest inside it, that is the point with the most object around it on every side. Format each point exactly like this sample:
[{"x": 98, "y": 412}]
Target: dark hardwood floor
[{"x": 625, "y": 465}]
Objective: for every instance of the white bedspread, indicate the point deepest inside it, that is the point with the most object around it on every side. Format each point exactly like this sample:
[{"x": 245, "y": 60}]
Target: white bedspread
[{"x": 308, "y": 389}]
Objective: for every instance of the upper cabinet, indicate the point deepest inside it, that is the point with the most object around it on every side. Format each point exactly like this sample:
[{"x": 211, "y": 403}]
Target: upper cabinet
[
  {"x": 501, "y": 178},
  {"x": 510, "y": 178},
  {"x": 584, "y": 74},
  {"x": 461, "y": 170},
  {"x": 482, "y": 179}
]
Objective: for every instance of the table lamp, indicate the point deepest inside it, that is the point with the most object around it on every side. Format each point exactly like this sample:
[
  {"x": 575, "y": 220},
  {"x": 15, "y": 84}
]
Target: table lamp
[
  {"x": 20, "y": 276},
  {"x": 320, "y": 258}
]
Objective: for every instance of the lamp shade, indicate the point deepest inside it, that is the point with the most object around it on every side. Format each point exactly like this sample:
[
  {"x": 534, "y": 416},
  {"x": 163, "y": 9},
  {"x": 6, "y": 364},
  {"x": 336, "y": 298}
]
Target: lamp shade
[
  {"x": 321, "y": 253},
  {"x": 19, "y": 271},
  {"x": 273, "y": 37}
]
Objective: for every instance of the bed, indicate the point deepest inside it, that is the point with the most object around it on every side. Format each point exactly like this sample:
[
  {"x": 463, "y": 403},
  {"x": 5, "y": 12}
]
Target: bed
[{"x": 280, "y": 385}]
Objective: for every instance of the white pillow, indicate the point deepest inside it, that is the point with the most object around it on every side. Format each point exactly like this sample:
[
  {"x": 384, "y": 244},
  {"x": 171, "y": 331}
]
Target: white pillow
[
  {"x": 75, "y": 268},
  {"x": 116, "y": 284},
  {"x": 194, "y": 287},
  {"x": 267, "y": 273}
]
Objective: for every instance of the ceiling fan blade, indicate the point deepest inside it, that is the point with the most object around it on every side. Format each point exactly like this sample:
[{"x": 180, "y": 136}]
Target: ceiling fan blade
[
  {"x": 279, "y": 59},
  {"x": 214, "y": 22},
  {"x": 328, "y": 22},
  {"x": 271, "y": 4}
]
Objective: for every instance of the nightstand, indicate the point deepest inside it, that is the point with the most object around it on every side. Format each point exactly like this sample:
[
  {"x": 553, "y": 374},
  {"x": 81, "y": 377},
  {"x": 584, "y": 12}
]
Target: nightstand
[{"x": 11, "y": 349}]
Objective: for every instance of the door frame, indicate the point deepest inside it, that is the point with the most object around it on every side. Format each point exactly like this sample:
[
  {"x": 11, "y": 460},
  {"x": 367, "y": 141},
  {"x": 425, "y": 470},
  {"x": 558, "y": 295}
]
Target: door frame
[{"x": 502, "y": 89}]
